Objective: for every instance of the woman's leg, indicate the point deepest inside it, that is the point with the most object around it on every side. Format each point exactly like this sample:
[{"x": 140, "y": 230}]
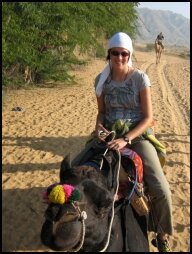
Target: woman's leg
[{"x": 158, "y": 188}]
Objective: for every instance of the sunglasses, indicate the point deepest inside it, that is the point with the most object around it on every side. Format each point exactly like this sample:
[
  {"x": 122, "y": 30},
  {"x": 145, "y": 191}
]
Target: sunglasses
[{"x": 117, "y": 53}]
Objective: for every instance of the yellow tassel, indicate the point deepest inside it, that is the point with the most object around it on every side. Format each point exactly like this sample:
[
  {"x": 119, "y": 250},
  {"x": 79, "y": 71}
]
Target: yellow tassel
[{"x": 57, "y": 195}]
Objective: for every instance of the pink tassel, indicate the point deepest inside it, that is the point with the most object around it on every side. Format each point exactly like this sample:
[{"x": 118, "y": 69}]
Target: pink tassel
[{"x": 68, "y": 189}]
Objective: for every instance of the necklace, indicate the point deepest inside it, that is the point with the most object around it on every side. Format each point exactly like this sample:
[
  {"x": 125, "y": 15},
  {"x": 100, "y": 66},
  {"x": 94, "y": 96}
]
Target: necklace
[{"x": 119, "y": 78}]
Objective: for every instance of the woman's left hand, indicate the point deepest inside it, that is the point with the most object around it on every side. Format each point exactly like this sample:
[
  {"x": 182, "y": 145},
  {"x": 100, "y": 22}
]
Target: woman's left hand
[{"x": 117, "y": 144}]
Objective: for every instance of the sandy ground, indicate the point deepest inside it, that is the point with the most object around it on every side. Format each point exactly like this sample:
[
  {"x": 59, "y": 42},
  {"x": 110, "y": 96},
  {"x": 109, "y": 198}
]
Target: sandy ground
[{"x": 57, "y": 121}]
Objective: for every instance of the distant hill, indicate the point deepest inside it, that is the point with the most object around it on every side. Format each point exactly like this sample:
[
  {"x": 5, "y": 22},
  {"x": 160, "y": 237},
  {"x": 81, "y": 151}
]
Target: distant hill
[{"x": 175, "y": 27}]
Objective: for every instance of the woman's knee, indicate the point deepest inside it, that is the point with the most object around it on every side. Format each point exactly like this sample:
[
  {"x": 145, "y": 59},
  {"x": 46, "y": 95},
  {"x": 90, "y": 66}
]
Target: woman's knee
[
  {"x": 160, "y": 191},
  {"x": 146, "y": 151}
]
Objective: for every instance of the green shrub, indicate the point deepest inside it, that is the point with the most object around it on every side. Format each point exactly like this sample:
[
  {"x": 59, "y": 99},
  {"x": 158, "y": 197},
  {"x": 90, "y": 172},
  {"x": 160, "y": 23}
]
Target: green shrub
[{"x": 40, "y": 37}]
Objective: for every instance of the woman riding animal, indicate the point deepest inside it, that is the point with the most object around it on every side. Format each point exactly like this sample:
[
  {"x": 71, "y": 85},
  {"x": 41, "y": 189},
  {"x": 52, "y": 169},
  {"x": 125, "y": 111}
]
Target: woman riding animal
[
  {"x": 124, "y": 96},
  {"x": 159, "y": 47},
  {"x": 159, "y": 40}
]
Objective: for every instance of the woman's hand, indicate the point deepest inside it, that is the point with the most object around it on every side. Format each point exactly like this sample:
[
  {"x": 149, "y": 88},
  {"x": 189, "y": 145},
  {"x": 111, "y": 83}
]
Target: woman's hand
[
  {"x": 101, "y": 132},
  {"x": 117, "y": 144}
]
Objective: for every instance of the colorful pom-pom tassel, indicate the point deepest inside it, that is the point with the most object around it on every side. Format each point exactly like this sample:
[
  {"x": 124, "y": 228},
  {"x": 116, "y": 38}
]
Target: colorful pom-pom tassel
[
  {"x": 57, "y": 195},
  {"x": 68, "y": 189},
  {"x": 60, "y": 194},
  {"x": 75, "y": 196}
]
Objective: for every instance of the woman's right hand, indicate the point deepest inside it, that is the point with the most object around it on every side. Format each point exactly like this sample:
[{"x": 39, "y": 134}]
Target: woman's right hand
[{"x": 101, "y": 132}]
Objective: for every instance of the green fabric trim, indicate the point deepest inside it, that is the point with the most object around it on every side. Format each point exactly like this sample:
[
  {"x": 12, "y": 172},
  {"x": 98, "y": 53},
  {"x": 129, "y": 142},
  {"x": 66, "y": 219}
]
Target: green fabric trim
[{"x": 121, "y": 127}]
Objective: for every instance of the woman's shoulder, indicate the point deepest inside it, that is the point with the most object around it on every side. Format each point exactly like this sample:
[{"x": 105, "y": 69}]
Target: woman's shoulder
[
  {"x": 142, "y": 77},
  {"x": 139, "y": 72}
]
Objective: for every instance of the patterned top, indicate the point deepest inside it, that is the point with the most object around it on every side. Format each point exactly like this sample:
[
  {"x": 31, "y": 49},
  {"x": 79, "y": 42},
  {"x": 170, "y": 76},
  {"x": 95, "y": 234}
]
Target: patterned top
[{"x": 122, "y": 99}]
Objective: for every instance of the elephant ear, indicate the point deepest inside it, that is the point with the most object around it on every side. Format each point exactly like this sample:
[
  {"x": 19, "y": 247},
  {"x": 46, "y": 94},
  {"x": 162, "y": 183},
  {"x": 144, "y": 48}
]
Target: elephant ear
[{"x": 65, "y": 167}]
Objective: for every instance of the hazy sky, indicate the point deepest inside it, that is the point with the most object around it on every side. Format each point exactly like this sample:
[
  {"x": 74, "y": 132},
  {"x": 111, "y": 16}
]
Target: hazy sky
[{"x": 177, "y": 7}]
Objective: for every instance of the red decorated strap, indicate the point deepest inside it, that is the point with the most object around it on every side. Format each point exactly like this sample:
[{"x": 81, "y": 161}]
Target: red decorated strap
[{"x": 137, "y": 161}]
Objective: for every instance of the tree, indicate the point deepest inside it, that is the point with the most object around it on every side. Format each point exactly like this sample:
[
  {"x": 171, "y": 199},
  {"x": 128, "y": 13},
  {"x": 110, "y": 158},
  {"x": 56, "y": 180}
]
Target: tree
[{"x": 39, "y": 38}]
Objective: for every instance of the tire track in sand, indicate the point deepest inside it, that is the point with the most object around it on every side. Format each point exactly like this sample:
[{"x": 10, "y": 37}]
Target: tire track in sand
[
  {"x": 168, "y": 103},
  {"x": 171, "y": 110}
]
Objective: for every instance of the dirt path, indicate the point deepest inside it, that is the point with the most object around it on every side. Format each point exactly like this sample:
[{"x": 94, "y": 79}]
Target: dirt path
[
  {"x": 170, "y": 89},
  {"x": 57, "y": 121}
]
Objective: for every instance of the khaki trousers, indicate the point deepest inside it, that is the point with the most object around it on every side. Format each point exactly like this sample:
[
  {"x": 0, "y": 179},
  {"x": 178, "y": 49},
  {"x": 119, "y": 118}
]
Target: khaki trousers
[{"x": 160, "y": 218}]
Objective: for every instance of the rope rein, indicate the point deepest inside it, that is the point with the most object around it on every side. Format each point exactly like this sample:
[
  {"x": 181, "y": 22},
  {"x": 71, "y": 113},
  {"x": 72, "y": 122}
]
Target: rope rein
[
  {"x": 113, "y": 204},
  {"x": 112, "y": 217},
  {"x": 83, "y": 214},
  {"x": 83, "y": 217}
]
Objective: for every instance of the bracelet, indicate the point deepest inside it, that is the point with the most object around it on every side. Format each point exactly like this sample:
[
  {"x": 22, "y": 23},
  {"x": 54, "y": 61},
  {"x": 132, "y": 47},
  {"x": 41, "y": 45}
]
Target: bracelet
[{"x": 127, "y": 140}]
